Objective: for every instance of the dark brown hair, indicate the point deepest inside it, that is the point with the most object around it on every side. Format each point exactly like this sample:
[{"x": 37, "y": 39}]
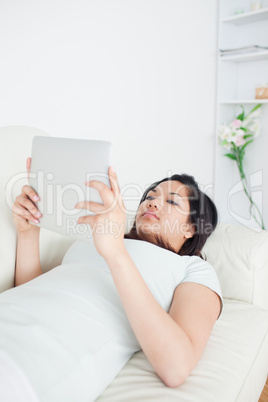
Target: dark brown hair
[{"x": 203, "y": 216}]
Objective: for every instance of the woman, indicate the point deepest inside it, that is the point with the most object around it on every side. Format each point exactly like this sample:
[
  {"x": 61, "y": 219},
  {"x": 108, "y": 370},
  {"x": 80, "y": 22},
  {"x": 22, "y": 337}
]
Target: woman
[{"x": 153, "y": 299}]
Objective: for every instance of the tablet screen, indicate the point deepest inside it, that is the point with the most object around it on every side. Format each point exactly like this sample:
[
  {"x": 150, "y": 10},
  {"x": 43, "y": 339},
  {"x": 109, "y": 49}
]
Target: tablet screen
[{"x": 59, "y": 169}]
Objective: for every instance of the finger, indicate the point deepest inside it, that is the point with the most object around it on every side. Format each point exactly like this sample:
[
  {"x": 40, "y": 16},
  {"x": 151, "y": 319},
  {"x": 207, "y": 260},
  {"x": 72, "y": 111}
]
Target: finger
[
  {"x": 24, "y": 213},
  {"x": 27, "y": 190},
  {"x": 116, "y": 188},
  {"x": 113, "y": 181},
  {"x": 91, "y": 206},
  {"x": 105, "y": 192},
  {"x": 28, "y": 166},
  {"x": 28, "y": 205}
]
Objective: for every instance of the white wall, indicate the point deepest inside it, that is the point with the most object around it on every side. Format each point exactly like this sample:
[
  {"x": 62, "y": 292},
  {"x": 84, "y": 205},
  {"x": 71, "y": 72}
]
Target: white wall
[{"x": 140, "y": 73}]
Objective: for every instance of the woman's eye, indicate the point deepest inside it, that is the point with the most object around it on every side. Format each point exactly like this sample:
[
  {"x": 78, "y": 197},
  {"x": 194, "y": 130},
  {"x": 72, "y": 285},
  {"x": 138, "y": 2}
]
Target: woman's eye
[
  {"x": 149, "y": 197},
  {"x": 172, "y": 202}
]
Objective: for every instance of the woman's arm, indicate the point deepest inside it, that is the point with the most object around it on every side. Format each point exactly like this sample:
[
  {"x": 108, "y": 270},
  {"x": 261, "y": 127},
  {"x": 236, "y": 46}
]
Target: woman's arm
[
  {"x": 24, "y": 211},
  {"x": 174, "y": 342},
  {"x": 28, "y": 264}
]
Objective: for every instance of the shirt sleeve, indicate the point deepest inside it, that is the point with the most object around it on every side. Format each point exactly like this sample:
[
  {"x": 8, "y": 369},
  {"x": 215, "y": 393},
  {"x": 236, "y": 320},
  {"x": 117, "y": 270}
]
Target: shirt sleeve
[{"x": 202, "y": 272}]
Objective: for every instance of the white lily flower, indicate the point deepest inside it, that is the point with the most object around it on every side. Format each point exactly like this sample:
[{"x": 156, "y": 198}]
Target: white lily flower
[
  {"x": 246, "y": 123},
  {"x": 239, "y": 133},
  {"x": 239, "y": 140},
  {"x": 255, "y": 114},
  {"x": 228, "y": 146},
  {"x": 255, "y": 128},
  {"x": 253, "y": 125},
  {"x": 225, "y": 132}
]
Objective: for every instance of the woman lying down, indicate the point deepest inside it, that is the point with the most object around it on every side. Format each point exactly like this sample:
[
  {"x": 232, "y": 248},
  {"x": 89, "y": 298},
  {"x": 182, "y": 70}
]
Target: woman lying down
[{"x": 65, "y": 334}]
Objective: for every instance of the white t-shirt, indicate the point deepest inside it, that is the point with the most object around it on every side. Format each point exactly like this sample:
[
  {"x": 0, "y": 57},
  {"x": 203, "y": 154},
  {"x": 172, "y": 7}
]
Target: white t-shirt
[{"x": 67, "y": 329}]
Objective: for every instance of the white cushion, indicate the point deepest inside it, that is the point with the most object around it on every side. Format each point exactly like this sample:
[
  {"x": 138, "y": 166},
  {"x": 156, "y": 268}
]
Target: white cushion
[
  {"x": 240, "y": 258},
  {"x": 239, "y": 339}
]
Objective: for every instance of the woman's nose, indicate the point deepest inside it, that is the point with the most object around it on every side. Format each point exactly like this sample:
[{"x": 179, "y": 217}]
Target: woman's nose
[{"x": 153, "y": 204}]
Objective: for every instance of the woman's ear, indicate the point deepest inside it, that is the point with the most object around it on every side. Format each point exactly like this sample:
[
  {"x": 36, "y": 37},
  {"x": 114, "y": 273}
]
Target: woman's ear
[{"x": 190, "y": 232}]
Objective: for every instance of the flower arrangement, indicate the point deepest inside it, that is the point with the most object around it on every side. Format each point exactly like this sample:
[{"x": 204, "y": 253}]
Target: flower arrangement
[{"x": 235, "y": 137}]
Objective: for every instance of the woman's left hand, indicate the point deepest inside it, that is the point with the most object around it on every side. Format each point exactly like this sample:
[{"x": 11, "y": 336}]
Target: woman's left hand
[{"x": 108, "y": 225}]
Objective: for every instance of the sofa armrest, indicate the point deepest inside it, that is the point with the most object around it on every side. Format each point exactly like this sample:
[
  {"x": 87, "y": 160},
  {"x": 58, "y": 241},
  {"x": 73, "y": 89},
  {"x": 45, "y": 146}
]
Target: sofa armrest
[{"x": 15, "y": 147}]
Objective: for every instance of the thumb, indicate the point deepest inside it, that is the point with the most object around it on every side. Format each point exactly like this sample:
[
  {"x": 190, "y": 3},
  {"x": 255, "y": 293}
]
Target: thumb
[{"x": 28, "y": 166}]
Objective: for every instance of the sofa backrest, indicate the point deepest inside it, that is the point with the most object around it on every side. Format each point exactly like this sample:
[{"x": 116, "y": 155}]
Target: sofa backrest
[{"x": 240, "y": 258}]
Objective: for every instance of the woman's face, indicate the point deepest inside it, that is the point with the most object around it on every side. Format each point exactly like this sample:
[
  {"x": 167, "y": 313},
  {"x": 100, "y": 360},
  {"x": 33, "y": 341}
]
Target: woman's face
[{"x": 165, "y": 213}]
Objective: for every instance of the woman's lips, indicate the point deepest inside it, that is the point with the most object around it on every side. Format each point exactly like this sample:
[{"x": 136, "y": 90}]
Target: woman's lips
[{"x": 150, "y": 214}]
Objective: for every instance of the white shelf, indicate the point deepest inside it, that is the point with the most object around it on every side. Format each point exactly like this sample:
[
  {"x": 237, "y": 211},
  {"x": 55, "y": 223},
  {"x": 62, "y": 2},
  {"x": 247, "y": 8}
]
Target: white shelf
[
  {"x": 247, "y": 101},
  {"x": 246, "y": 18},
  {"x": 238, "y": 75},
  {"x": 246, "y": 57}
]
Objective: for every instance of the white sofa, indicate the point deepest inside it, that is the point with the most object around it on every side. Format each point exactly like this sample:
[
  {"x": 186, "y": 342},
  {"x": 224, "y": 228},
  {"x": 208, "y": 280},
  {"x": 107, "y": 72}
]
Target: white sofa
[{"x": 234, "y": 365}]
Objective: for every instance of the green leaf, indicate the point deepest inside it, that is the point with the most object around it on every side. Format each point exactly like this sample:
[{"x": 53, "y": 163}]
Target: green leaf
[
  {"x": 231, "y": 156},
  {"x": 244, "y": 146},
  {"x": 255, "y": 108},
  {"x": 241, "y": 115},
  {"x": 248, "y": 136}
]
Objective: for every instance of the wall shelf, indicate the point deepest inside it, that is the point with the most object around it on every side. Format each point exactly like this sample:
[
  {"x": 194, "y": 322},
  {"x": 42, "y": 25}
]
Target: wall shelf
[
  {"x": 244, "y": 101},
  {"x": 246, "y": 18},
  {"x": 238, "y": 76},
  {"x": 262, "y": 55}
]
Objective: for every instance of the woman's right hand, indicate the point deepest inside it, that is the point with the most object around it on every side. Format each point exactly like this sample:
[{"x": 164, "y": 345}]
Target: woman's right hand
[{"x": 24, "y": 211}]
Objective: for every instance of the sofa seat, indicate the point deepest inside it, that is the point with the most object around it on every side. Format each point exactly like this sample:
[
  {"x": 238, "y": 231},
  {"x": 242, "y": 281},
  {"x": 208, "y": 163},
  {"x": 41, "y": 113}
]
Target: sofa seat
[{"x": 236, "y": 350}]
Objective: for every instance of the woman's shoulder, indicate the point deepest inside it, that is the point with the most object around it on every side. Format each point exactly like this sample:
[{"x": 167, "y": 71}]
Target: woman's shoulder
[
  {"x": 202, "y": 272},
  {"x": 195, "y": 265}
]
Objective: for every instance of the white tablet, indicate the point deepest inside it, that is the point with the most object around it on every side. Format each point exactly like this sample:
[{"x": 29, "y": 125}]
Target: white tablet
[{"x": 59, "y": 169}]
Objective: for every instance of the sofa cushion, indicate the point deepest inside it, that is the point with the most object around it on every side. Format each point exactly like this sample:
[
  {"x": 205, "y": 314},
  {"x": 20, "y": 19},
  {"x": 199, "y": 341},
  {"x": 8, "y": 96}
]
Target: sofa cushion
[
  {"x": 237, "y": 349},
  {"x": 240, "y": 258}
]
